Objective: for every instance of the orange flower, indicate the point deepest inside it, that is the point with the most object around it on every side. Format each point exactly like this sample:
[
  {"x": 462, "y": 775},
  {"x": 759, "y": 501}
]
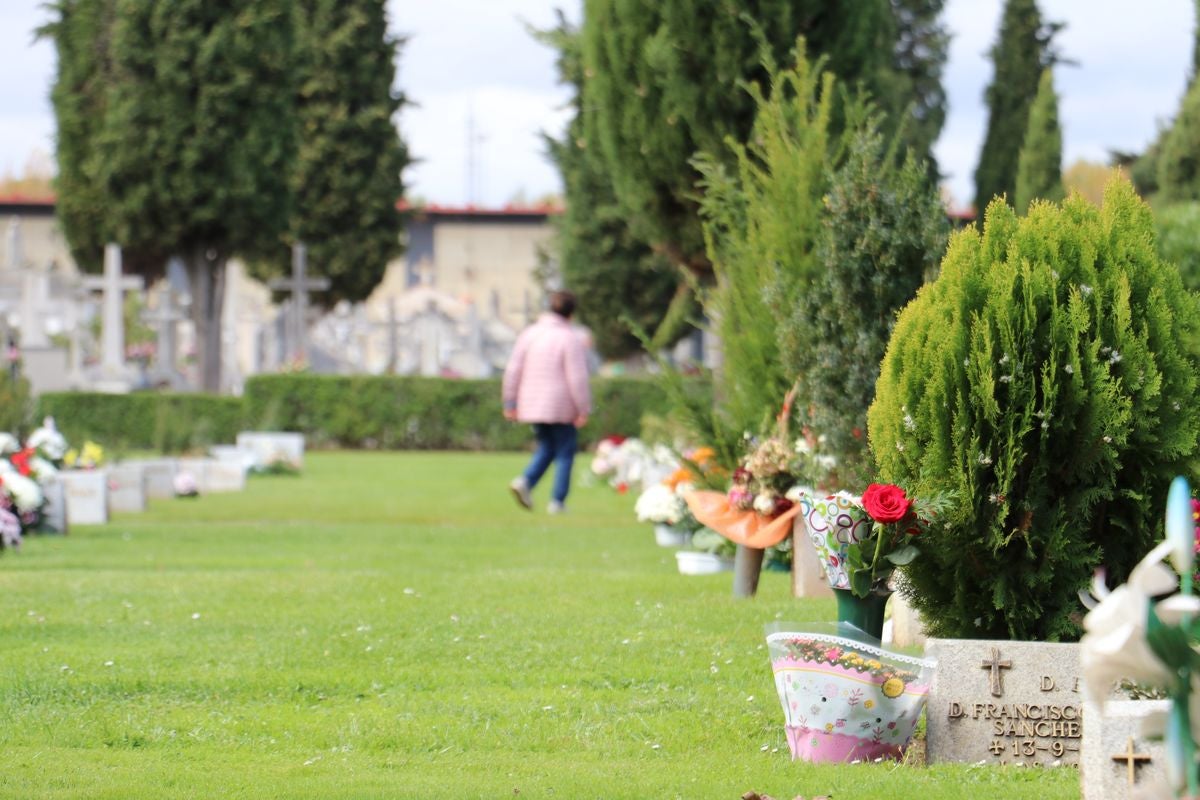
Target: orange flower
[{"x": 681, "y": 475}]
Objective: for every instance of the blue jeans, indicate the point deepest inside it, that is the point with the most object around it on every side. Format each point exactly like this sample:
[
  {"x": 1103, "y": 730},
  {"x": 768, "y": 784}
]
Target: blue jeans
[{"x": 556, "y": 442}]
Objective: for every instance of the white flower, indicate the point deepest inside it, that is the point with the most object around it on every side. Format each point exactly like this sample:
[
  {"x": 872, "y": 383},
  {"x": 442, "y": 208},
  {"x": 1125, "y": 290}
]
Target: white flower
[
  {"x": 985, "y": 460},
  {"x": 802, "y": 446},
  {"x": 1070, "y": 370},
  {"x": 660, "y": 505},
  {"x": 1114, "y": 644},
  {"x": 1115, "y": 358},
  {"x": 796, "y": 492},
  {"x": 8, "y": 444},
  {"x": 26, "y": 494},
  {"x": 825, "y": 462},
  {"x": 185, "y": 485},
  {"x": 1085, "y": 290},
  {"x": 42, "y": 468},
  {"x": 909, "y": 422},
  {"x": 765, "y": 503},
  {"x": 1006, "y": 378},
  {"x": 48, "y": 440}
]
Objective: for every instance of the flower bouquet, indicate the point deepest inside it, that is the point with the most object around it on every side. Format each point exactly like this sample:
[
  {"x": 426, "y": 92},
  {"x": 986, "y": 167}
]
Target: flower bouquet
[
  {"x": 844, "y": 700},
  {"x": 1148, "y": 632},
  {"x": 662, "y": 505}
]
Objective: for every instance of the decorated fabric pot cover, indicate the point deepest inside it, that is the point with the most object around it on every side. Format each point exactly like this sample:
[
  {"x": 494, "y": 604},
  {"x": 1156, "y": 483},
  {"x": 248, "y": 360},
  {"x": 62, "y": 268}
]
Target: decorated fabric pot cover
[
  {"x": 834, "y": 522},
  {"x": 845, "y": 700}
]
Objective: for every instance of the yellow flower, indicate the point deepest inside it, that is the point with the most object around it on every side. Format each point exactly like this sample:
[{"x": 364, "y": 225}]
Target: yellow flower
[
  {"x": 829, "y": 727},
  {"x": 893, "y": 687},
  {"x": 873, "y": 664},
  {"x": 869, "y": 704}
]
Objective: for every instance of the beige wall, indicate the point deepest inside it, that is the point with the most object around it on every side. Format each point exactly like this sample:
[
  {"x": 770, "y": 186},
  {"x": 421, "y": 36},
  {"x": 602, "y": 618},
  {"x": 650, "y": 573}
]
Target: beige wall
[
  {"x": 474, "y": 259},
  {"x": 42, "y": 242}
]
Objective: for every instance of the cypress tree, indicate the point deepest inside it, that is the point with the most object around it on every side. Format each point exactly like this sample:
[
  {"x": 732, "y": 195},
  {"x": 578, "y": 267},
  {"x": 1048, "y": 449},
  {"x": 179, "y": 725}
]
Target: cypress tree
[
  {"x": 622, "y": 279},
  {"x": 1179, "y": 159},
  {"x": 194, "y": 153},
  {"x": 1022, "y": 51},
  {"x": 346, "y": 179},
  {"x": 1039, "y": 168},
  {"x": 663, "y": 82}
]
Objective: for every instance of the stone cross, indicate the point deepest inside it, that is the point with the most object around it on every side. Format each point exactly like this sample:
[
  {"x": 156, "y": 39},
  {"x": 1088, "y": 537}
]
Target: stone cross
[
  {"x": 299, "y": 285},
  {"x": 35, "y": 295},
  {"x": 997, "y": 678},
  {"x": 1132, "y": 760},
  {"x": 393, "y": 325},
  {"x": 113, "y": 287},
  {"x": 14, "y": 244},
  {"x": 74, "y": 323},
  {"x": 163, "y": 318}
]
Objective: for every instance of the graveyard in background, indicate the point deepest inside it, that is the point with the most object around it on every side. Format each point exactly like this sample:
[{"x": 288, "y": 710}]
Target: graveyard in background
[{"x": 450, "y": 306}]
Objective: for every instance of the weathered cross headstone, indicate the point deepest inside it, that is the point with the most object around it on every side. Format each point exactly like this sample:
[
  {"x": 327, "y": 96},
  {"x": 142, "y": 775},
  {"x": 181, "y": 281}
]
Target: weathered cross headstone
[
  {"x": 164, "y": 317},
  {"x": 1117, "y": 758},
  {"x": 1004, "y": 702},
  {"x": 14, "y": 256},
  {"x": 114, "y": 375},
  {"x": 299, "y": 285}
]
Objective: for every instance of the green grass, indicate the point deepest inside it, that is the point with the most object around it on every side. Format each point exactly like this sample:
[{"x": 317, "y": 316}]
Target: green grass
[{"x": 392, "y": 626}]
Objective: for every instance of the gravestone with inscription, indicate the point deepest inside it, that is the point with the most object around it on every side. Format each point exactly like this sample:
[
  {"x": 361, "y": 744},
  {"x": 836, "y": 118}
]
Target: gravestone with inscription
[
  {"x": 1117, "y": 758},
  {"x": 1004, "y": 702},
  {"x": 86, "y": 494},
  {"x": 127, "y": 488}
]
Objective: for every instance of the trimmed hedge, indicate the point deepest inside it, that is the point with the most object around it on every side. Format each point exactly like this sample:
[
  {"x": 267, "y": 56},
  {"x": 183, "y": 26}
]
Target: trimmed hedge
[
  {"x": 375, "y": 412},
  {"x": 396, "y": 412},
  {"x": 144, "y": 420}
]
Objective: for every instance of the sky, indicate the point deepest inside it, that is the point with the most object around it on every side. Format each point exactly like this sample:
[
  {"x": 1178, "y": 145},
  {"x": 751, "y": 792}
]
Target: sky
[{"x": 484, "y": 91}]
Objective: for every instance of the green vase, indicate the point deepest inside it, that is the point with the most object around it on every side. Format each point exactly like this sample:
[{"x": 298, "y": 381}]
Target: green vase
[{"x": 862, "y": 613}]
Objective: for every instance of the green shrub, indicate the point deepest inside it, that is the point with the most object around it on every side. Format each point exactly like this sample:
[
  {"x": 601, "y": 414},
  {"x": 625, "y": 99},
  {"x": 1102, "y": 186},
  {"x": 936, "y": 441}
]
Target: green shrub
[
  {"x": 1048, "y": 377},
  {"x": 167, "y": 423},
  {"x": 15, "y": 405},
  {"x": 1178, "y": 239},
  {"x": 392, "y": 412}
]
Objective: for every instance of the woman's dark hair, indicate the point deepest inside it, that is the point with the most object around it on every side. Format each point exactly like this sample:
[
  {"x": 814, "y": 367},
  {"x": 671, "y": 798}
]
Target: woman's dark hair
[{"x": 562, "y": 303}]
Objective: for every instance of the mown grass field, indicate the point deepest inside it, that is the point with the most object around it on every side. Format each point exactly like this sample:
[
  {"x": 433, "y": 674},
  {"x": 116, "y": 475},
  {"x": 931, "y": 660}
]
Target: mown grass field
[{"x": 393, "y": 626}]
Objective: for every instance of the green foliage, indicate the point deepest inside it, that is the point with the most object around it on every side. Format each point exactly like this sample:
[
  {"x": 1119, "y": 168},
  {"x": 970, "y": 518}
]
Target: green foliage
[
  {"x": 913, "y": 93},
  {"x": 1178, "y": 239},
  {"x": 167, "y": 423},
  {"x": 1179, "y": 161},
  {"x": 621, "y": 279},
  {"x": 1047, "y": 378},
  {"x": 761, "y": 225},
  {"x": 394, "y": 412},
  {"x": 346, "y": 180},
  {"x": 883, "y": 233},
  {"x": 15, "y": 404},
  {"x": 1039, "y": 168},
  {"x": 1021, "y": 53},
  {"x": 662, "y": 83}
]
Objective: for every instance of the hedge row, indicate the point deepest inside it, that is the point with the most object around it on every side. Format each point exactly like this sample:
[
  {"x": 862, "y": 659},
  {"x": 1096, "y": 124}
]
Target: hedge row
[
  {"x": 377, "y": 412},
  {"x": 144, "y": 420}
]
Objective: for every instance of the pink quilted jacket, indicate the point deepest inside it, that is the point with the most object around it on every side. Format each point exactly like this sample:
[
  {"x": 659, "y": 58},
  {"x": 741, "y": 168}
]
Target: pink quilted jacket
[{"x": 546, "y": 379}]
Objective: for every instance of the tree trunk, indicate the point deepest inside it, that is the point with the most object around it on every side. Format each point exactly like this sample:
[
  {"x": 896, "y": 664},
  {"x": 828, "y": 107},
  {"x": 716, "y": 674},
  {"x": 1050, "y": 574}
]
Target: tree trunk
[{"x": 206, "y": 276}]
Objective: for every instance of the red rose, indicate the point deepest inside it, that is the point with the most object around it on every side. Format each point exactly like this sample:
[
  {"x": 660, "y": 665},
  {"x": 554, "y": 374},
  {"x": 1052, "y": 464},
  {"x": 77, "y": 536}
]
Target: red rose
[{"x": 885, "y": 502}]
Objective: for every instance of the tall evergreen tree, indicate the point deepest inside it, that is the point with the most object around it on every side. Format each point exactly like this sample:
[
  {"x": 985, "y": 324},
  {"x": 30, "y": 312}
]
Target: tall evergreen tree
[
  {"x": 80, "y": 31},
  {"x": 347, "y": 176},
  {"x": 663, "y": 82},
  {"x": 915, "y": 94},
  {"x": 1022, "y": 51},
  {"x": 622, "y": 279},
  {"x": 1179, "y": 159},
  {"x": 1039, "y": 168},
  {"x": 193, "y": 153}
]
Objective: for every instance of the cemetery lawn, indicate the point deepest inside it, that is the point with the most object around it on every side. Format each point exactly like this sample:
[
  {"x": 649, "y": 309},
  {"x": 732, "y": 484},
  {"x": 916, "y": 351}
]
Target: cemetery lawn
[{"x": 391, "y": 625}]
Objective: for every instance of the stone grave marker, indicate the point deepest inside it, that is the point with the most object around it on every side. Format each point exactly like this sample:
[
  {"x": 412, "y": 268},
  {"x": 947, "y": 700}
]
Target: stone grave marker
[
  {"x": 1004, "y": 702},
  {"x": 54, "y": 514},
  {"x": 907, "y": 630},
  {"x": 808, "y": 577},
  {"x": 127, "y": 488},
  {"x": 269, "y": 447},
  {"x": 223, "y": 476},
  {"x": 160, "y": 477},
  {"x": 86, "y": 496},
  {"x": 1117, "y": 759}
]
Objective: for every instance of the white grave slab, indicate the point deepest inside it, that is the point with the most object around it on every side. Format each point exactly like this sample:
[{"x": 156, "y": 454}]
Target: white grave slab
[
  {"x": 1004, "y": 702},
  {"x": 159, "y": 477},
  {"x": 86, "y": 495},
  {"x": 54, "y": 515},
  {"x": 1117, "y": 759},
  {"x": 127, "y": 488},
  {"x": 232, "y": 454},
  {"x": 223, "y": 476},
  {"x": 270, "y": 447}
]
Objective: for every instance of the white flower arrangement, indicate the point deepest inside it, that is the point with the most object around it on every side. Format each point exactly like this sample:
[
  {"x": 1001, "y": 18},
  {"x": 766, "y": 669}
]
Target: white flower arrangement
[
  {"x": 1128, "y": 635},
  {"x": 8, "y": 444},
  {"x": 660, "y": 504},
  {"x": 48, "y": 441},
  {"x": 25, "y": 493}
]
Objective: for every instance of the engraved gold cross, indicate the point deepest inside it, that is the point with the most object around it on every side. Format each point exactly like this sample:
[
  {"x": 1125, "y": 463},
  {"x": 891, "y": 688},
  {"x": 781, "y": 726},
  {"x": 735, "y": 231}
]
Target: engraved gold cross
[
  {"x": 1131, "y": 759},
  {"x": 997, "y": 678}
]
